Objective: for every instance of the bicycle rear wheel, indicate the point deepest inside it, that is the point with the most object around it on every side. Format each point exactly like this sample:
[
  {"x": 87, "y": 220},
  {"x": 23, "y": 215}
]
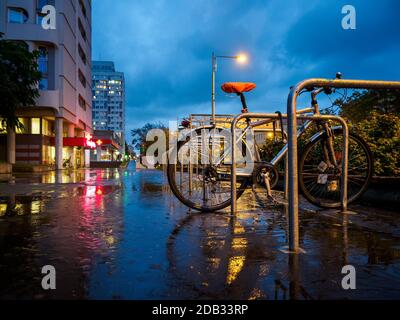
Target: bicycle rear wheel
[
  {"x": 204, "y": 185},
  {"x": 321, "y": 183}
]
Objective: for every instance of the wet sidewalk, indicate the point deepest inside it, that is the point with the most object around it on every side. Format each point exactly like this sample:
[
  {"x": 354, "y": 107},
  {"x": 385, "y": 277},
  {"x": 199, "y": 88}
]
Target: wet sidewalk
[{"x": 120, "y": 234}]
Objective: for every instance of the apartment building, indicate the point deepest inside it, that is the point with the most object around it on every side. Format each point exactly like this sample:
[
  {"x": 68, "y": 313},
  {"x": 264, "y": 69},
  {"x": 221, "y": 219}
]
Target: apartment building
[
  {"x": 109, "y": 100},
  {"x": 56, "y": 129}
]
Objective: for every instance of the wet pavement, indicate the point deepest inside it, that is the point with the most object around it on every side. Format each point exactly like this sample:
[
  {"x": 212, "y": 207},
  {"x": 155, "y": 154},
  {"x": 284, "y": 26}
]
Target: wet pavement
[{"x": 120, "y": 234}]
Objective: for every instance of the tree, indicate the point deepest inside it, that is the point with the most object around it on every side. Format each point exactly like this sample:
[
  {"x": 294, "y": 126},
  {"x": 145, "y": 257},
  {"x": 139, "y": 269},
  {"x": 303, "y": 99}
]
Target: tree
[
  {"x": 375, "y": 116},
  {"x": 19, "y": 77},
  {"x": 139, "y": 135}
]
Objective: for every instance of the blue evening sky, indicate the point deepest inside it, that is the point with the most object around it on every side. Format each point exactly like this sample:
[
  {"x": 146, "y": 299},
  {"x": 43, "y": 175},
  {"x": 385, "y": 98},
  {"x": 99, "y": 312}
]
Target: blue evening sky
[{"x": 164, "y": 48}]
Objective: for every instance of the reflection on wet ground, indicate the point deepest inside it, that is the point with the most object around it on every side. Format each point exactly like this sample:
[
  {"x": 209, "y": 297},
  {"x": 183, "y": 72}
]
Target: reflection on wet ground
[{"x": 120, "y": 234}]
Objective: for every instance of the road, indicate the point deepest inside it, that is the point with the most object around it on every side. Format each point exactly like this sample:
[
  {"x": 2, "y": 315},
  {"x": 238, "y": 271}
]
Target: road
[{"x": 120, "y": 234}]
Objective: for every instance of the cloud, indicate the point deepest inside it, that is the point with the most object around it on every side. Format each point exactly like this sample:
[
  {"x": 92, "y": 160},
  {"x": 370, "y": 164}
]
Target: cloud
[{"x": 164, "y": 48}]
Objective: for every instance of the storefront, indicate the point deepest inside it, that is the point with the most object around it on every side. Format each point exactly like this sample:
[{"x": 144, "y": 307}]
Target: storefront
[
  {"x": 107, "y": 147},
  {"x": 35, "y": 144},
  {"x": 76, "y": 151}
]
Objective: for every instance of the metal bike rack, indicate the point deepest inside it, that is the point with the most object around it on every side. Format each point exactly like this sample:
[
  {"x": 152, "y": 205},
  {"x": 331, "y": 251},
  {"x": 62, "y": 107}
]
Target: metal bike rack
[
  {"x": 293, "y": 218},
  {"x": 291, "y": 167},
  {"x": 292, "y": 140}
]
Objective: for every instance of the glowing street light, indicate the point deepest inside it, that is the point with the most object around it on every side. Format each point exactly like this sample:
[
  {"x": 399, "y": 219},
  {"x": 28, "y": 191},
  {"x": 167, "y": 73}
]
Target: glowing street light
[{"x": 240, "y": 58}]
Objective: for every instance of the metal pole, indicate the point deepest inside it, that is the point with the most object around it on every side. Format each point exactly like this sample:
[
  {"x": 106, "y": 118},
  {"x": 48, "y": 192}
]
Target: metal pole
[
  {"x": 293, "y": 195},
  {"x": 190, "y": 157},
  {"x": 233, "y": 166},
  {"x": 293, "y": 219},
  {"x": 286, "y": 177},
  {"x": 345, "y": 165},
  {"x": 213, "y": 87}
]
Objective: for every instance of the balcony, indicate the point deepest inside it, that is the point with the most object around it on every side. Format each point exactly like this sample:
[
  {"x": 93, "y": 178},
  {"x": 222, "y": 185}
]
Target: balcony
[
  {"x": 48, "y": 98},
  {"x": 31, "y": 32}
]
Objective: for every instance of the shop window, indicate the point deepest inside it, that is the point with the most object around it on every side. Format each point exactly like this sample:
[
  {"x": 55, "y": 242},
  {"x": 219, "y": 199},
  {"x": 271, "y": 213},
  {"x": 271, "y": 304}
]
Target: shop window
[
  {"x": 48, "y": 154},
  {"x": 47, "y": 127},
  {"x": 25, "y": 124},
  {"x": 17, "y": 15},
  {"x": 35, "y": 126}
]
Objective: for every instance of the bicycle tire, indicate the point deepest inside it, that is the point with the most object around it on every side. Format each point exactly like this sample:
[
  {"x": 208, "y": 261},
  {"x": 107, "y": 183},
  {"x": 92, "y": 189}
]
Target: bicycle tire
[{"x": 351, "y": 197}]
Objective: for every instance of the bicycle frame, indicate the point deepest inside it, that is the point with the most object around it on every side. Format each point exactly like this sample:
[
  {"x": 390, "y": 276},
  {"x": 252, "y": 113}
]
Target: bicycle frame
[{"x": 250, "y": 127}]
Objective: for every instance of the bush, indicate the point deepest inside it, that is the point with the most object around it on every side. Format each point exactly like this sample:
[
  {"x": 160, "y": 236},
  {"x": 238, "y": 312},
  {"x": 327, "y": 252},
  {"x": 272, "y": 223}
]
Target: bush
[{"x": 382, "y": 134}]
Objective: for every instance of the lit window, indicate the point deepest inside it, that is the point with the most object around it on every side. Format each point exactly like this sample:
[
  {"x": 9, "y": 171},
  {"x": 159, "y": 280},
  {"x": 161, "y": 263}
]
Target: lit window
[
  {"x": 35, "y": 125},
  {"x": 25, "y": 124},
  {"x": 17, "y": 15}
]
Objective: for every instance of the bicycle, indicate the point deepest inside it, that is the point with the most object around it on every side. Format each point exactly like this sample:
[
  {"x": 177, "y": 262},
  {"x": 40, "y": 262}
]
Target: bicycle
[{"x": 205, "y": 185}]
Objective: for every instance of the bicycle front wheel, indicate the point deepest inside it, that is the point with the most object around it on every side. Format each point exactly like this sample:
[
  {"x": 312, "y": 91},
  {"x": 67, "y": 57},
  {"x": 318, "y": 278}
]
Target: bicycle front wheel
[{"x": 320, "y": 181}]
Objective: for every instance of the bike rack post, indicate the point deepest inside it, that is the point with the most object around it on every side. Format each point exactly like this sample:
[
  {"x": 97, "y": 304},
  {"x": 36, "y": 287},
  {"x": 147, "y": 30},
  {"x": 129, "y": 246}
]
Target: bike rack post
[
  {"x": 292, "y": 139},
  {"x": 190, "y": 165},
  {"x": 286, "y": 187}
]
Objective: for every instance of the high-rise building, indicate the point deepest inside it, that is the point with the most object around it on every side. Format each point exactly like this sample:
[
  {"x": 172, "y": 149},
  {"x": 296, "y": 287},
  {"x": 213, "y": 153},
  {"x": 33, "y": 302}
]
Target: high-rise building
[
  {"x": 108, "y": 99},
  {"x": 55, "y": 130}
]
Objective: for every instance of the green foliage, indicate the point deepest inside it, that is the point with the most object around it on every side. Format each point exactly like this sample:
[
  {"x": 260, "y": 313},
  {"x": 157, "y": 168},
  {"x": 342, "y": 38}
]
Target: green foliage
[
  {"x": 375, "y": 116},
  {"x": 19, "y": 76},
  {"x": 381, "y": 131},
  {"x": 139, "y": 135}
]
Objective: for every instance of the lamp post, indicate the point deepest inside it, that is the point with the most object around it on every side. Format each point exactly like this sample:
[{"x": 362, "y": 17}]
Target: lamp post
[{"x": 241, "y": 58}]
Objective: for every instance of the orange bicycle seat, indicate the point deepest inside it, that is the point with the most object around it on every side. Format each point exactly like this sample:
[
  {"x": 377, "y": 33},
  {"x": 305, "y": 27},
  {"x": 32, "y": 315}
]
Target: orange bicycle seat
[{"x": 238, "y": 87}]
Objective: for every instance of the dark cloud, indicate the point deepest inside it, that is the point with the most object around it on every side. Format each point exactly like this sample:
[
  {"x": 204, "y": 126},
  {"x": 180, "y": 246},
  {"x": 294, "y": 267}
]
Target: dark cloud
[{"x": 164, "y": 48}]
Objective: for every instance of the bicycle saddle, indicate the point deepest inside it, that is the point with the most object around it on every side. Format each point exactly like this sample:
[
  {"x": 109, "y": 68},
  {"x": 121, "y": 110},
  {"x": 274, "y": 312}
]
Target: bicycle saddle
[{"x": 238, "y": 87}]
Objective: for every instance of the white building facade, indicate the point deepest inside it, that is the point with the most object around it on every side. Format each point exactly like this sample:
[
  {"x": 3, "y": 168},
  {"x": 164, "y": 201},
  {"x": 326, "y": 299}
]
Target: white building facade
[{"x": 56, "y": 128}]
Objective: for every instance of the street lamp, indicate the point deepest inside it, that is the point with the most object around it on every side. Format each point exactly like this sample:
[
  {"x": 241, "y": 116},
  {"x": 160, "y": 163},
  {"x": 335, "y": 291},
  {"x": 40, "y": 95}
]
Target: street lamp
[{"x": 241, "y": 58}]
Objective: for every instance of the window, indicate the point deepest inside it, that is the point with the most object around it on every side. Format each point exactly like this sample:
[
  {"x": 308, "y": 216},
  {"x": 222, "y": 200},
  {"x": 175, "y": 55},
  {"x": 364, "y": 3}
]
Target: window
[
  {"x": 41, "y": 3},
  {"x": 83, "y": 9},
  {"x": 25, "y": 124},
  {"x": 17, "y": 15},
  {"x": 47, "y": 127},
  {"x": 82, "y": 54},
  {"x": 39, "y": 15},
  {"x": 43, "y": 63},
  {"x": 82, "y": 78},
  {"x": 43, "y": 84},
  {"x": 82, "y": 103},
  {"x": 30, "y": 126},
  {"x": 35, "y": 125},
  {"x": 81, "y": 29}
]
